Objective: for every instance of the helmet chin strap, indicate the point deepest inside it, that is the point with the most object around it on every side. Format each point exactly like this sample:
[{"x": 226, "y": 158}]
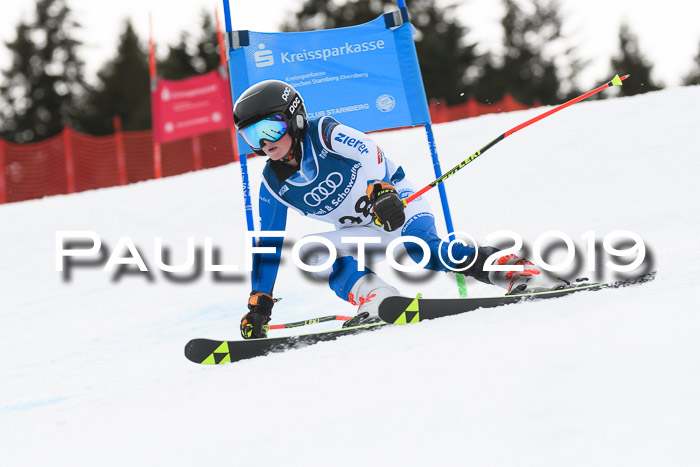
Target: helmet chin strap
[
  {"x": 301, "y": 123},
  {"x": 292, "y": 151}
]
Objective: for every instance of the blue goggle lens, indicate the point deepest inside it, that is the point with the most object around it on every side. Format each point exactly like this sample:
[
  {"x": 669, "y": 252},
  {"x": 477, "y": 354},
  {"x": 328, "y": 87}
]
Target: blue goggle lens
[{"x": 272, "y": 129}]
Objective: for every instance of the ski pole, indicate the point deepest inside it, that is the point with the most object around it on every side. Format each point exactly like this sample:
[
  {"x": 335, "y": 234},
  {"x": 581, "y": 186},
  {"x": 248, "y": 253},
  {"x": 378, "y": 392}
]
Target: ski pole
[
  {"x": 616, "y": 81},
  {"x": 307, "y": 322}
]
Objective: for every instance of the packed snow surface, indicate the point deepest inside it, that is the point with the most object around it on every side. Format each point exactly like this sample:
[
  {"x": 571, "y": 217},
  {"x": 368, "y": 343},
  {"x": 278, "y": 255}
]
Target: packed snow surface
[{"x": 92, "y": 364}]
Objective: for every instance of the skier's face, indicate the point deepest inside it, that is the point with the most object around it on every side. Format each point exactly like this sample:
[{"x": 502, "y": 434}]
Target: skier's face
[{"x": 279, "y": 148}]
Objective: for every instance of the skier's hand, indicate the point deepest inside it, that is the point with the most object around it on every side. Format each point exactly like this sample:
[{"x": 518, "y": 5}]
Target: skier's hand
[
  {"x": 386, "y": 205},
  {"x": 260, "y": 306}
]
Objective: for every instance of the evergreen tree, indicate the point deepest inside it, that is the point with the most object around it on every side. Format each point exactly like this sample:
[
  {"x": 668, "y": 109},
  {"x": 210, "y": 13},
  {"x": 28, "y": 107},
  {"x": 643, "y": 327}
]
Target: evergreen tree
[
  {"x": 527, "y": 70},
  {"x": 694, "y": 77},
  {"x": 631, "y": 61},
  {"x": 444, "y": 58},
  {"x": 191, "y": 57},
  {"x": 123, "y": 89},
  {"x": 16, "y": 91},
  {"x": 492, "y": 83},
  {"x": 178, "y": 64},
  {"x": 330, "y": 14},
  {"x": 207, "y": 57},
  {"x": 45, "y": 81}
]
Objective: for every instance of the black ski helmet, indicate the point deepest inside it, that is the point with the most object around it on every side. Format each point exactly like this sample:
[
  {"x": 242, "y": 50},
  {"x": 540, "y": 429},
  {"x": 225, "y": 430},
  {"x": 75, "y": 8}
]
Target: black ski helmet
[{"x": 268, "y": 98}]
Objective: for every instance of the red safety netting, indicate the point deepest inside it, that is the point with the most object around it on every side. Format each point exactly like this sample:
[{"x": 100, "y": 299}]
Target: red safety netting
[
  {"x": 73, "y": 161},
  {"x": 440, "y": 113},
  {"x": 94, "y": 160},
  {"x": 34, "y": 170},
  {"x": 178, "y": 157},
  {"x": 138, "y": 152},
  {"x": 216, "y": 148}
]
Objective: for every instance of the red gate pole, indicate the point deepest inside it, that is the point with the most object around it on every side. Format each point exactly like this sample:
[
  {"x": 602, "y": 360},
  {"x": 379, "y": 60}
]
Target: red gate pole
[
  {"x": 197, "y": 152},
  {"x": 222, "y": 59},
  {"x": 234, "y": 144},
  {"x": 121, "y": 158},
  {"x": 68, "y": 155},
  {"x": 3, "y": 197},
  {"x": 157, "y": 166},
  {"x": 220, "y": 40}
]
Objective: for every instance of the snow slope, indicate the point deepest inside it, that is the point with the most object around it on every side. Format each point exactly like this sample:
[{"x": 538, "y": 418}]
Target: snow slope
[{"x": 92, "y": 366}]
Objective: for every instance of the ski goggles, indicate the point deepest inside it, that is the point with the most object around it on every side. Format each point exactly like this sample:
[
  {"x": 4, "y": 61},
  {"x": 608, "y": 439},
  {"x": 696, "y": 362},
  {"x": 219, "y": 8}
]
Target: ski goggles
[{"x": 271, "y": 129}]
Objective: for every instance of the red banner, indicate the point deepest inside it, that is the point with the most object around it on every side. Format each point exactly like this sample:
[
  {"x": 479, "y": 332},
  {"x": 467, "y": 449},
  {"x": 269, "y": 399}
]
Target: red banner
[{"x": 193, "y": 106}]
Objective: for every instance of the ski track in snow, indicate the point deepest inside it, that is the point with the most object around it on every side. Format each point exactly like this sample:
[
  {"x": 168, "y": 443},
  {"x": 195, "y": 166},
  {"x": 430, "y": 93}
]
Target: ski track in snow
[{"x": 93, "y": 371}]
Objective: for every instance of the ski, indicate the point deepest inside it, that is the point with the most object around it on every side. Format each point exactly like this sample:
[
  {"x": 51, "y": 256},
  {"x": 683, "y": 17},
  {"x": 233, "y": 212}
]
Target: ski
[
  {"x": 406, "y": 310},
  {"x": 215, "y": 352},
  {"x": 394, "y": 310}
]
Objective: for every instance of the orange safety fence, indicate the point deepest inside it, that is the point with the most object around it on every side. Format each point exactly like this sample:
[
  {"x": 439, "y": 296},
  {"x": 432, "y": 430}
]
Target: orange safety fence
[
  {"x": 73, "y": 161},
  {"x": 440, "y": 113}
]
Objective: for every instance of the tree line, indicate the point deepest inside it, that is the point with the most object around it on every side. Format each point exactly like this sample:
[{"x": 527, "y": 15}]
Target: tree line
[{"x": 45, "y": 88}]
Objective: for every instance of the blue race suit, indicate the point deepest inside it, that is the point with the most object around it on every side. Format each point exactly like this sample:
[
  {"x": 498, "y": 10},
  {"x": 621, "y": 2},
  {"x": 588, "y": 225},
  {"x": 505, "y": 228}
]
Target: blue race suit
[{"x": 337, "y": 164}]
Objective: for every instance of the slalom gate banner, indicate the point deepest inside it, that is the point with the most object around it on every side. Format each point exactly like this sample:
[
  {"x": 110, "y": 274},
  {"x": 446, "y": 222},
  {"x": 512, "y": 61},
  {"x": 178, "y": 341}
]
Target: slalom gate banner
[
  {"x": 192, "y": 106},
  {"x": 367, "y": 76}
]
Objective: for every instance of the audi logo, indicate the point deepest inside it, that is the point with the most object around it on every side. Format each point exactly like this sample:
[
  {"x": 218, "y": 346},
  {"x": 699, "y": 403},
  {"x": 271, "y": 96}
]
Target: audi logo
[{"x": 324, "y": 189}]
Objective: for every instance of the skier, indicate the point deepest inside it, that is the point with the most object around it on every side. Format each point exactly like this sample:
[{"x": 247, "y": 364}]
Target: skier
[{"x": 331, "y": 172}]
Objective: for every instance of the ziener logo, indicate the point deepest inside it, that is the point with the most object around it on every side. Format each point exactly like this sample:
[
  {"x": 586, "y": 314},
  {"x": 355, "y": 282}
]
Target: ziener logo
[
  {"x": 263, "y": 57},
  {"x": 324, "y": 189}
]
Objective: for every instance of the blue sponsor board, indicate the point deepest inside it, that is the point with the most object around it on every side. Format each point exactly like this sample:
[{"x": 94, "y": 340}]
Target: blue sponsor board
[{"x": 366, "y": 76}]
